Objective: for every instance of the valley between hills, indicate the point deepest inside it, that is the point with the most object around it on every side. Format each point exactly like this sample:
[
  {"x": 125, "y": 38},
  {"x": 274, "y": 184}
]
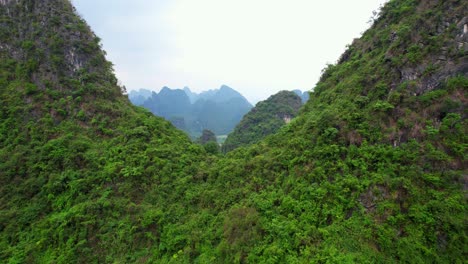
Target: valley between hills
[{"x": 371, "y": 169}]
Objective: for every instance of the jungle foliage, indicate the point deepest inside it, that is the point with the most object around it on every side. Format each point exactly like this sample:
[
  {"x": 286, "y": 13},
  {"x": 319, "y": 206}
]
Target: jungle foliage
[
  {"x": 266, "y": 118},
  {"x": 372, "y": 170}
]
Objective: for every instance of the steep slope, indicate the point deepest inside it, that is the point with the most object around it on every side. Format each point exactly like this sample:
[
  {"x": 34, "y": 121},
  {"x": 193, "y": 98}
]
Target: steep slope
[
  {"x": 80, "y": 167},
  {"x": 374, "y": 168},
  {"x": 266, "y": 118},
  {"x": 192, "y": 96}
]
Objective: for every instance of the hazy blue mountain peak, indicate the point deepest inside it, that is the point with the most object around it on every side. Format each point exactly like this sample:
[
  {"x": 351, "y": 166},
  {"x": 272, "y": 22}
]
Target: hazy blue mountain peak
[
  {"x": 303, "y": 95},
  {"x": 218, "y": 110},
  {"x": 138, "y": 97}
]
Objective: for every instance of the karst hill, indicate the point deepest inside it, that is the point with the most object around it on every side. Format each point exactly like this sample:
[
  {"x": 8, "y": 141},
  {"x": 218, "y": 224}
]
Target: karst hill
[{"x": 371, "y": 170}]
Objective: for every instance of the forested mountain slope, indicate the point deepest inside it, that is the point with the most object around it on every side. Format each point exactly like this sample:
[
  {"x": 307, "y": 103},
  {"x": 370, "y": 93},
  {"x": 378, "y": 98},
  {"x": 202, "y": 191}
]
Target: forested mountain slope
[
  {"x": 82, "y": 171},
  {"x": 373, "y": 169},
  {"x": 266, "y": 118}
]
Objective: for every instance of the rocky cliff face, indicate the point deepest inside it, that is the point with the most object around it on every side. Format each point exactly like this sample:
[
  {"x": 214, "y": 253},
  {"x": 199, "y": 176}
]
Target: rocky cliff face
[
  {"x": 67, "y": 51},
  {"x": 6, "y": 2},
  {"x": 418, "y": 57}
]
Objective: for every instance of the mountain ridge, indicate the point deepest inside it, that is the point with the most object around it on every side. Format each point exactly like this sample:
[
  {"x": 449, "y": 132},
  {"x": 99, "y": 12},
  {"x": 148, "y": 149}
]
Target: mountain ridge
[
  {"x": 218, "y": 110},
  {"x": 71, "y": 142},
  {"x": 266, "y": 118}
]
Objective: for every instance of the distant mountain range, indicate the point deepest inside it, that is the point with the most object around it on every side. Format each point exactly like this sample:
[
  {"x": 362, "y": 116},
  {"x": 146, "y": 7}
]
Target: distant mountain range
[
  {"x": 139, "y": 97},
  {"x": 303, "y": 95},
  {"x": 218, "y": 110}
]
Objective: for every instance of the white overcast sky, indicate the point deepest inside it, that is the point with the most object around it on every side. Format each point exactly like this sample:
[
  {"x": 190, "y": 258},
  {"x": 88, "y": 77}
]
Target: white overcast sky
[{"x": 257, "y": 47}]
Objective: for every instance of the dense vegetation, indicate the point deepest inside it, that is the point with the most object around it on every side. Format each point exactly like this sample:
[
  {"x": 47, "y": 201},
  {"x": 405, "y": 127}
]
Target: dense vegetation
[
  {"x": 266, "y": 118},
  {"x": 209, "y": 142},
  {"x": 373, "y": 169},
  {"x": 83, "y": 173}
]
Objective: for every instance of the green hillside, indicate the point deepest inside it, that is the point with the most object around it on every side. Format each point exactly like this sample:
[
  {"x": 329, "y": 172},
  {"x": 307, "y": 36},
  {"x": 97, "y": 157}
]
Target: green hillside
[
  {"x": 83, "y": 173},
  {"x": 372, "y": 170},
  {"x": 266, "y": 118}
]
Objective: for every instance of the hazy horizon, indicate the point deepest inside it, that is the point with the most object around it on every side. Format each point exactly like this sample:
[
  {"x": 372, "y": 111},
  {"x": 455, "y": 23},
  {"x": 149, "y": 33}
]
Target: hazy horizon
[{"x": 255, "y": 47}]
